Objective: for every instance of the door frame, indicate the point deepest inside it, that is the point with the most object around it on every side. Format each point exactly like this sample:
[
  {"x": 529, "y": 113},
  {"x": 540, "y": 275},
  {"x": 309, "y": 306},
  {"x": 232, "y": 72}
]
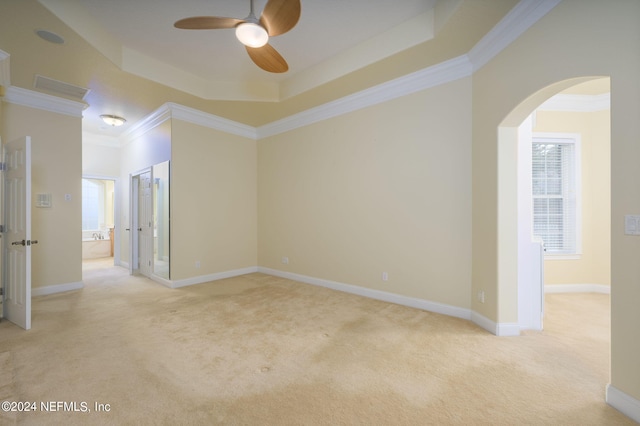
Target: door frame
[{"x": 134, "y": 208}]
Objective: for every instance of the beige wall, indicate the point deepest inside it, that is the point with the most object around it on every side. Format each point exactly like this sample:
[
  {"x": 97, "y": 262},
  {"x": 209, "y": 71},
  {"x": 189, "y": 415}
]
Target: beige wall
[
  {"x": 100, "y": 160},
  {"x": 594, "y": 266},
  {"x": 56, "y": 143},
  {"x": 576, "y": 39},
  {"x": 213, "y": 201},
  {"x": 383, "y": 189},
  {"x": 348, "y": 198}
]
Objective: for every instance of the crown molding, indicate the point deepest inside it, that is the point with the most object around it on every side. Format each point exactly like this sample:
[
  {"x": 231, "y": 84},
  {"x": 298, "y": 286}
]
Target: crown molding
[
  {"x": 29, "y": 98},
  {"x": 517, "y": 21},
  {"x": 577, "y": 103},
  {"x": 172, "y": 110},
  {"x": 523, "y": 15},
  {"x": 151, "y": 121},
  {"x": 195, "y": 116},
  {"x": 436, "y": 75},
  {"x": 444, "y": 72}
]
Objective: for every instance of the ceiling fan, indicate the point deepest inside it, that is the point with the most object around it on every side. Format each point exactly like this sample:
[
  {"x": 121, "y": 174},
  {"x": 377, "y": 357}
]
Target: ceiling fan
[{"x": 278, "y": 17}]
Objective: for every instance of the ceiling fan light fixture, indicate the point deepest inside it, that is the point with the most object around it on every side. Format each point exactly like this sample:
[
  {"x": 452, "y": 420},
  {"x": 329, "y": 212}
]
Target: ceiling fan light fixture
[
  {"x": 251, "y": 34},
  {"x": 113, "y": 120}
]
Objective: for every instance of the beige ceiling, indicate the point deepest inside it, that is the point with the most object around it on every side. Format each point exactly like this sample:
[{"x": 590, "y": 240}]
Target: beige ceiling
[
  {"x": 139, "y": 36},
  {"x": 133, "y": 60}
]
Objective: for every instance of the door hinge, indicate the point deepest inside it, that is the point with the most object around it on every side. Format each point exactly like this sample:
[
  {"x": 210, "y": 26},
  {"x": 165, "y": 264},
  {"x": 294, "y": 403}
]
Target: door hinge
[
  {"x": 1, "y": 291},
  {"x": 3, "y": 166},
  {"x": 1, "y": 228}
]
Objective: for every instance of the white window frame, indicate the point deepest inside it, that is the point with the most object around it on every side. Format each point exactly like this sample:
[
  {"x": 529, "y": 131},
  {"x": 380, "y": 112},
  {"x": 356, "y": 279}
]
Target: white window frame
[{"x": 575, "y": 139}]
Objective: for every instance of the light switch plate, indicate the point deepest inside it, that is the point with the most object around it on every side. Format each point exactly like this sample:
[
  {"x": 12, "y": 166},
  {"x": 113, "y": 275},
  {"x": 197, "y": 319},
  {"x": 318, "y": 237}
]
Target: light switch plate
[
  {"x": 632, "y": 224},
  {"x": 43, "y": 200}
]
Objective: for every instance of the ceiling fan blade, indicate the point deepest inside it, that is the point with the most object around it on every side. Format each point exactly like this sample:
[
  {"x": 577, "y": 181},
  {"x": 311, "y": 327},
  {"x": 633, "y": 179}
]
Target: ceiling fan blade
[
  {"x": 207, "y": 23},
  {"x": 267, "y": 58},
  {"x": 279, "y": 16}
]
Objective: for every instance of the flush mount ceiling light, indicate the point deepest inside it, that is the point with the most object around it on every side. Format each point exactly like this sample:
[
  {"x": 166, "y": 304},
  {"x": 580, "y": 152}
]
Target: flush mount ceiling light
[{"x": 113, "y": 120}]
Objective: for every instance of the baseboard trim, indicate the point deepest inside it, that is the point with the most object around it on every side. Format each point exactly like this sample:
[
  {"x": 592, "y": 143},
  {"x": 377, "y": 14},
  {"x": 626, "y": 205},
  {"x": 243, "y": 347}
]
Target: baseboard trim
[
  {"x": 577, "y": 288},
  {"x": 58, "y": 288},
  {"x": 160, "y": 280},
  {"x": 499, "y": 329},
  {"x": 211, "y": 277},
  {"x": 425, "y": 305},
  {"x": 626, "y": 404}
]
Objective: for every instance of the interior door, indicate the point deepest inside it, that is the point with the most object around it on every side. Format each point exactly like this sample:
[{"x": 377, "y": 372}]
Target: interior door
[
  {"x": 145, "y": 224},
  {"x": 17, "y": 233}
]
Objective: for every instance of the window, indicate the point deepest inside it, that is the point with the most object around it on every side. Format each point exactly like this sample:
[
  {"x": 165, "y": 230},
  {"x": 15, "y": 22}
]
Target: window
[
  {"x": 556, "y": 193},
  {"x": 92, "y": 195},
  {"x": 97, "y": 204}
]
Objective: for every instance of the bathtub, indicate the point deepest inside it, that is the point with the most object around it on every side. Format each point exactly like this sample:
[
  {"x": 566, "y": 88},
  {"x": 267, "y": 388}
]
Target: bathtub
[{"x": 94, "y": 249}]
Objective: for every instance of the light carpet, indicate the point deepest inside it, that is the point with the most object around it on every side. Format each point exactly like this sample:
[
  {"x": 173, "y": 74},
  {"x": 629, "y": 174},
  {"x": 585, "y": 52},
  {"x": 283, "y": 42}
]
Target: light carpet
[{"x": 262, "y": 350}]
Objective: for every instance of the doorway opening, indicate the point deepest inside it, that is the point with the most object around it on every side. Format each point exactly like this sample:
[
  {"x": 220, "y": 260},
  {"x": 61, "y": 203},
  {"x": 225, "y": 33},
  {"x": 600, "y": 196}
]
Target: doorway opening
[
  {"x": 149, "y": 242},
  {"x": 98, "y": 222},
  {"x": 577, "y": 257},
  {"x": 563, "y": 110}
]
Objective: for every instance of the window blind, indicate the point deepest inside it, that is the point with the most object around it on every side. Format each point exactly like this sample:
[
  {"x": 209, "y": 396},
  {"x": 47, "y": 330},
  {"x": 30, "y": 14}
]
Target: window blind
[{"x": 554, "y": 196}]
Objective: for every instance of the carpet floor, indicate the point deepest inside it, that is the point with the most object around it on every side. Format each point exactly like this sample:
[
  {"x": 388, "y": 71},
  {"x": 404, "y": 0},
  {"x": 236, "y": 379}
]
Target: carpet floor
[{"x": 262, "y": 350}]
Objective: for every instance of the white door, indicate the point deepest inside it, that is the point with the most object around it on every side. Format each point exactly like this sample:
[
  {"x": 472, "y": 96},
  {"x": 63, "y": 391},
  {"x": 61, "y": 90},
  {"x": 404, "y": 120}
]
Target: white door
[
  {"x": 17, "y": 233},
  {"x": 145, "y": 224}
]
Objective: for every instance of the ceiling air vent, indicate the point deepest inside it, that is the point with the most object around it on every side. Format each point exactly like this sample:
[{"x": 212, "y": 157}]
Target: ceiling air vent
[{"x": 59, "y": 87}]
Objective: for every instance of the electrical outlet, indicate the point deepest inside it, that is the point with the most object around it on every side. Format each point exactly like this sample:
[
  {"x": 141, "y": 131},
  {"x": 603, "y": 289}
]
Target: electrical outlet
[
  {"x": 385, "y": 276},
  {"x": 481, "y": 296},
  {"x": 197, "y": 264},
  {"x": 285, "y": 260}
]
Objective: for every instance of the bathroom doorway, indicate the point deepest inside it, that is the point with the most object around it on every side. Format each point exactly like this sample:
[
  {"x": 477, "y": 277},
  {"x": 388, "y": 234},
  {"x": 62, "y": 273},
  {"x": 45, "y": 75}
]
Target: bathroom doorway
[{"x": 98, "y": 221}]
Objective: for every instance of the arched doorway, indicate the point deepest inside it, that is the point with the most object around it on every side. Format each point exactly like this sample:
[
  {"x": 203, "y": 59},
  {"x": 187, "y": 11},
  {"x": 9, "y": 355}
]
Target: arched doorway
[{"x": 519, "y": 256}]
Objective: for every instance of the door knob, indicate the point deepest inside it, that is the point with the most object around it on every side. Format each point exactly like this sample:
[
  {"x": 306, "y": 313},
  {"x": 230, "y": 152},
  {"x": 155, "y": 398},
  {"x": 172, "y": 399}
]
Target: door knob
[{"x": 24, "y": 243}]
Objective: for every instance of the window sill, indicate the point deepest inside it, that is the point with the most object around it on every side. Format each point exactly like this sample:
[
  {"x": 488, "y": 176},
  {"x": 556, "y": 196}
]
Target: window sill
[{"x": 562, "y": 256}]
